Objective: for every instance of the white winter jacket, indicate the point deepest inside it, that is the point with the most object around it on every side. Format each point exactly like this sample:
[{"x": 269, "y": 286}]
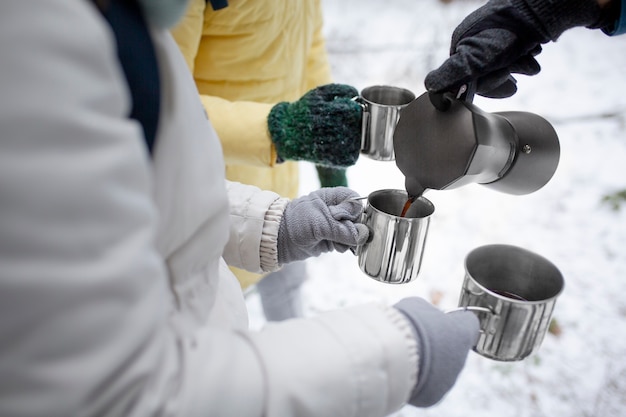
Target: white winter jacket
[{"x": 114, "y": 296}]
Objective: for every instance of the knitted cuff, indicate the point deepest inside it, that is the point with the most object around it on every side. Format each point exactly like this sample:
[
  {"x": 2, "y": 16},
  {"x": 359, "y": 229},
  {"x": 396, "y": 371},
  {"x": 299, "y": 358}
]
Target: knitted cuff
[
  {"x": 269, "y": 235},
  {"x": 555, "y": 17},
  {"x": 331, "y": 177},
  {"x": 614, "y": 21}
]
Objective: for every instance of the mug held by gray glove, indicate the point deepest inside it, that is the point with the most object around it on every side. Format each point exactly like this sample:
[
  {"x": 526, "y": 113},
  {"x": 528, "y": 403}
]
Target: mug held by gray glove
[
  {"x": 443, "y": 341},
  {"x": 503, "y": 37},
  {"x": 322, "y": 221}
]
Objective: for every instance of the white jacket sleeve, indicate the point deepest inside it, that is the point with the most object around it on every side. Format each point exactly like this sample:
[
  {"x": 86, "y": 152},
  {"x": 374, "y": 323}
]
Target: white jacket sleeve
[
  {"x": 84, "y": 299},
  {"x": 255, "y": 215},
  {"x": 88, "y": 320}
]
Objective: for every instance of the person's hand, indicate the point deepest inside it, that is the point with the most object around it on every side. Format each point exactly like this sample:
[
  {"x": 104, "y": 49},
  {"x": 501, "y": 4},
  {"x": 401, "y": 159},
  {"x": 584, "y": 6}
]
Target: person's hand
[
  {"x": 325, "y": 220},
  {"x": 323, "y": 127},
  {"x": 503, "y": 37},
  {"x": 443, "y": 342}
]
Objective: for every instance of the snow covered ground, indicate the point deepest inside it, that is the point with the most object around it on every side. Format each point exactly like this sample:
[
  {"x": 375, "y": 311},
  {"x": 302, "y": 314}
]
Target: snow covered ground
[{"x": 581, "y": 370}]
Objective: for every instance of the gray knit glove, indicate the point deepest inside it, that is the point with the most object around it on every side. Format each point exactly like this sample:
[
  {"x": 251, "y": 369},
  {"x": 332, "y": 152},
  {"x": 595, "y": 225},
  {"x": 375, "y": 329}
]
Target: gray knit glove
[
  {"x": 503, "y": 37},
  {"x": 325, "y": 220},
  {"x": 323, "y": 127},
  {"x": 443, "y": 343}
]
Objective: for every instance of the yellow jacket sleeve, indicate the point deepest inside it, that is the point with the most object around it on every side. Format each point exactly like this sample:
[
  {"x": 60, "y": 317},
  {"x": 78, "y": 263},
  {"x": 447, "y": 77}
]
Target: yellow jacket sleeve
[
  {"x": 240, "y": 125},
  {"x": 318, "y": 66},
  {"x": 242, "y": 129}
]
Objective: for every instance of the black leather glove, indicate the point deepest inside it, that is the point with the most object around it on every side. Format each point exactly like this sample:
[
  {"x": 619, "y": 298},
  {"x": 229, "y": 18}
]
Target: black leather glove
[
  {"x": 323, "y": 127},
  {"x": 503, "y": 37}
]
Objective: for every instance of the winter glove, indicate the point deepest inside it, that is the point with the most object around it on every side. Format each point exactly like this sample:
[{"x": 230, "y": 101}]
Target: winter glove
[
  {"x": 323, "y": 127},
  {"x": 443, "y": 342},
  {"x": 325, "y": 220},
  {"x": 331, "y": 177},
  {"x": 503, "y": 37}
]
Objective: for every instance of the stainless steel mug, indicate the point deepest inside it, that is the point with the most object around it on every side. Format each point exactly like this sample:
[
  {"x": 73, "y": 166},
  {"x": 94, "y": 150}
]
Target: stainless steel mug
[
  {"x": 393, "y": 253},
  {"x": 381, "y": 112},
  {"x": 513, "y": 292}
]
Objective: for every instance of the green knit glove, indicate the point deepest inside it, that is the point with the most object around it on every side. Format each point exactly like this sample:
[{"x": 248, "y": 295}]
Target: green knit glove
[
  {"x": 323, "y": 127},
  {"x": 331, "y": 177}
]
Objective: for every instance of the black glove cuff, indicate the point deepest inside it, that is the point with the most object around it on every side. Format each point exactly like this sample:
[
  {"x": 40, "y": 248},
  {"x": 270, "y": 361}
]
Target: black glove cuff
[
  {"x": 555, "y": 17},
  {"x": 610, "y": 17}
]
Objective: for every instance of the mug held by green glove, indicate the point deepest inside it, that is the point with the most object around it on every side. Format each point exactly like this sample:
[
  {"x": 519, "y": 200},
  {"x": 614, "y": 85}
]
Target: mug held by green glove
[{"x": 323, "y": 127}]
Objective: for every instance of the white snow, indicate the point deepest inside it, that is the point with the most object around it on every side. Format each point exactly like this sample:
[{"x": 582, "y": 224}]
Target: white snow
[{"x": 581, "y": 90}]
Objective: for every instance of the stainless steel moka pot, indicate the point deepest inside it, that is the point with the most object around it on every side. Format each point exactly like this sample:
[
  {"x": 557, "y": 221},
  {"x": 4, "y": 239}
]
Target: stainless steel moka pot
[{"x": 443, "y": 142}]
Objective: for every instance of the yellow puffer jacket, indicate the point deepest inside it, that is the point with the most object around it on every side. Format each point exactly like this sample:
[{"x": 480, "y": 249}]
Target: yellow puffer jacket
[{"x": 245, "y": 59}]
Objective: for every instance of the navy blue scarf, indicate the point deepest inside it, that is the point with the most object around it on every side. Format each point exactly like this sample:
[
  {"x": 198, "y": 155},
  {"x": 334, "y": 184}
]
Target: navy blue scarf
[
  {"x": 218, "y": 4},
  {"x": 138, "y": 60}
]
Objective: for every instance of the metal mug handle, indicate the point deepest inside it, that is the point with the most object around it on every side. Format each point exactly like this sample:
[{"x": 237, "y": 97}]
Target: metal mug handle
[
  {"x": 484, "y": 324},
  {"x": 360, "y": 200},
  {"x": 364, "y": 120}
]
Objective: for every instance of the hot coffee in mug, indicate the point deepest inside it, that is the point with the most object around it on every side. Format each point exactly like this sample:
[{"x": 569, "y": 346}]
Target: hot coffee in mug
[
  {"x": 393, "y": 253},
  {"x": 513, "y": 291}
]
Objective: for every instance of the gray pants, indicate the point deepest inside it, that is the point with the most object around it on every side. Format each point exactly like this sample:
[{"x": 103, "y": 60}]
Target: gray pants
[{"x": 280, "y": 292}]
